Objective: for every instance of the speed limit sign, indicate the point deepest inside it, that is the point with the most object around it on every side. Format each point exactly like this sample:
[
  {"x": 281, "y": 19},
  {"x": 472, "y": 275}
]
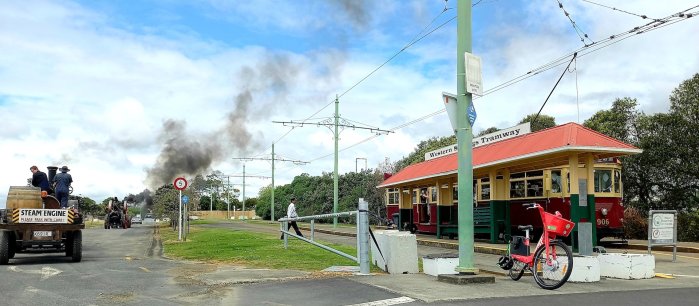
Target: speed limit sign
[{"x": 180, "y": 183}]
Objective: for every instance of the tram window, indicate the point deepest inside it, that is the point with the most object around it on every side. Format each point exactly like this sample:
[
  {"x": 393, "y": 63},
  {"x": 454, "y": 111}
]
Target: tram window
[
  {"x": 393, "y": 195},
  {"x": 603, "y": 180},
  {"x": 414, "y": 196},
  {"x": 556, "y": 181},
  {"x": 535, "y": 187},
  {"x": 455, "y": 192},
  {"x": 433, "y": 194},
  {"x": 517, "y": 189},
  {"x": 535, "y": 173},
  {"x": 485, "y": 189},
  {"x": 517, "y": 175},
  {"x": 423, "y": 195},
  {"x": 617, "y": 181}
]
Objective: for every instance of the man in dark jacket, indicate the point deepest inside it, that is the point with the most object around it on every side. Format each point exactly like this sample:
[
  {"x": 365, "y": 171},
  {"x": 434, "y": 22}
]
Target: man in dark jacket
[
  {"x": 39, "y": 179},
  {"x": 63, "y": 181}
]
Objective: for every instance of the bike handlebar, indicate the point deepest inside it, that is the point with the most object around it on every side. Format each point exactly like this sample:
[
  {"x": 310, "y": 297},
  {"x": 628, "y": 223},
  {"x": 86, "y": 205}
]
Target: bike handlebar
[{"x": 531, "y": 205}]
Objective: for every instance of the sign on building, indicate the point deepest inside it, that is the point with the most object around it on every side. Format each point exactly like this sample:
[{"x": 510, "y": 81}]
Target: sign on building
[{"x": 500, "y": 135}]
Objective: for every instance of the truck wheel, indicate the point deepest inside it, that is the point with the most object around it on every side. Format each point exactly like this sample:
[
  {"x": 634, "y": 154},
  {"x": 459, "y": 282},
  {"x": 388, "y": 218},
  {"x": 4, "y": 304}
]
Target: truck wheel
[
  {"x": 69, "y": 244},
  {"x": 13, "y": 245},
  {"x": 4, "y": 247},
  {"x": 77, "y": 246}
]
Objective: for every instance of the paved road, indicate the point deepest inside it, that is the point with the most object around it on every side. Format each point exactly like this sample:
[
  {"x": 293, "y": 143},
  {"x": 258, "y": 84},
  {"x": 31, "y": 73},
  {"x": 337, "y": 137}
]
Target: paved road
[
  {"x": 126, "y": 267},
  {"x": 118, "y": 267}
]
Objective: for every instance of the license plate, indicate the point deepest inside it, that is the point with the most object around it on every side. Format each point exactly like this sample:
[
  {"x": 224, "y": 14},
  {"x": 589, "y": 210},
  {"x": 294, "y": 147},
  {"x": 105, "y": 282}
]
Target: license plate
[{"x": 43, "y": 234}]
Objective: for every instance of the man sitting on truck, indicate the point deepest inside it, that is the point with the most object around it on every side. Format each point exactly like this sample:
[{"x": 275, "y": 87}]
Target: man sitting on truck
[
  {"x": 39, "y": 179},
  {"x": 63, "y": 181}
]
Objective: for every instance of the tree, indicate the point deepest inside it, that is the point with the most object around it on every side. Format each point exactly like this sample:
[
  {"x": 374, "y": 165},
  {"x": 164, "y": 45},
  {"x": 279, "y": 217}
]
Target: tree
[
  {"x": 418, "y": 155},
  {"x": 618, "y": 122},
  {"x": 542, "y": 122},
  {"x": 166, "y": 201},
  {"x": 489, "y": 130}
]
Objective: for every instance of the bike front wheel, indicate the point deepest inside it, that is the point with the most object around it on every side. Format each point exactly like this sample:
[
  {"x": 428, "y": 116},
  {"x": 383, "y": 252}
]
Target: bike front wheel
[{"x": 552, "y": 269}]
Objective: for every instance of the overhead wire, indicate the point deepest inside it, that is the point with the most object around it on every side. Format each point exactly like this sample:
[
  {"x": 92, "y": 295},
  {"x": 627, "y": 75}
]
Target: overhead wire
[
  {"x": 613, "y": 39},
  {"x": 577, "y": 28},
  {"x": 413, "y": 41},
  {"x": 620, "y": 10}
]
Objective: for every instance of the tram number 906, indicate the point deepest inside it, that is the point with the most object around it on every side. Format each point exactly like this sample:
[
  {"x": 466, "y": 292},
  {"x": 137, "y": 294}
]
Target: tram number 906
[{"x": 603, "y": 222}]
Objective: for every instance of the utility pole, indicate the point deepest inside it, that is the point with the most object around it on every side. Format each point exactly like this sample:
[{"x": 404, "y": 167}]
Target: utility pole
[
  {"x": 336, "y": 124},
  {"x": 464, "y": 141},
  {"x": 273, "y": 159},
  {"x": 336, "y": 192},
  {"x": 228, "y": 191}
]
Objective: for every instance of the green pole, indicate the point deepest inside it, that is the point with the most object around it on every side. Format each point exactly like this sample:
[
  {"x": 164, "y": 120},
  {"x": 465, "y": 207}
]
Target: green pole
[
  {"x": 464, "y": 141},
  {"x": 335, "y": 181},
  {"x": 272, "y": 208}
]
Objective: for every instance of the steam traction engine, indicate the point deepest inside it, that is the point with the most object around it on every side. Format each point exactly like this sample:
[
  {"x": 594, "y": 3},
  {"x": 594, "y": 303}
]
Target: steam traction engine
[
  {"x": 117, "y": 214},
  {"x": 34, "y": 222}
]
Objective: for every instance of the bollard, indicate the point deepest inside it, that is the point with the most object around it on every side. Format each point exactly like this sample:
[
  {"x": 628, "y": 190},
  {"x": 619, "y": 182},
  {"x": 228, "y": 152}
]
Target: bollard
[{"x": 363, "y": 237}]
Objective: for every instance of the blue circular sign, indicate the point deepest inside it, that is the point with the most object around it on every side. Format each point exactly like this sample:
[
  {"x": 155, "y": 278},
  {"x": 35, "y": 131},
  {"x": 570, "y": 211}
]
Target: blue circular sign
[{"x": 185, "y": 199}]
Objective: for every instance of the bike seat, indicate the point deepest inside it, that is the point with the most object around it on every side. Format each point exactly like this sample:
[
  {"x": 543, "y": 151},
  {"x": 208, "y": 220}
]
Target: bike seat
[{"x": 525, "y": 227}]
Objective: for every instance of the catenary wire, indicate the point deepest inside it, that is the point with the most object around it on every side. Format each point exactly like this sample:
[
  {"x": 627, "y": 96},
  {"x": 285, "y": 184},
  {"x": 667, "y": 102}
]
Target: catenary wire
[{"x": 654, "y": 25}]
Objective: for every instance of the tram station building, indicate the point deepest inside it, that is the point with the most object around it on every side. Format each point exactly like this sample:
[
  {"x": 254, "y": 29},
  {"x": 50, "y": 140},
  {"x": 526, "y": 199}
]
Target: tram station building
[{"x": 512, "y": 167}]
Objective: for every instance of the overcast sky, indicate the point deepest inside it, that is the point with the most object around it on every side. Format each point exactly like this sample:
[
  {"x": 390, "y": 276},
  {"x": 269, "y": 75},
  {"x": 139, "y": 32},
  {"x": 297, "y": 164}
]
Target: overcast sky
[{"x": 130, "y": 94}]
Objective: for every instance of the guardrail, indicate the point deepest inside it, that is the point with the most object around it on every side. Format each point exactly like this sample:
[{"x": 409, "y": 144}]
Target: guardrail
[{"x": 362, "y": 257}]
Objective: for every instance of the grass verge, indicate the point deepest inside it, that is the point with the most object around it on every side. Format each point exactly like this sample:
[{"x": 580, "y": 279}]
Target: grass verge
[{"x": 253, "y": 249}]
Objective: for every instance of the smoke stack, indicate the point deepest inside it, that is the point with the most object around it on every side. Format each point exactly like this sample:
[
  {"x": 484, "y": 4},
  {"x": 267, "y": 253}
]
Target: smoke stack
[{"x": 52, "y": 173}]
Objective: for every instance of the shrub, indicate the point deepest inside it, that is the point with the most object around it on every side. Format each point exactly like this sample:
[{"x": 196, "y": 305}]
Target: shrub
[
  {"x": 688, "y": 226},
  {"x": 635, "y": 224}
]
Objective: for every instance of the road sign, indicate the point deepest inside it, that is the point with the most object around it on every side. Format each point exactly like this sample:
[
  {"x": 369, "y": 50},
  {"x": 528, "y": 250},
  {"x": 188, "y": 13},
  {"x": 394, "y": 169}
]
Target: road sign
[
  {"x": 180, "y": 183},
  {"x": 471, "y": 114},
  {"x": 185, "y": 199},
  {"x": 474, "y": 79}
]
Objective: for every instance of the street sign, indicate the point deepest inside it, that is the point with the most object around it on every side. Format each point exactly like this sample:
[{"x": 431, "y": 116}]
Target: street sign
[
  {"x": 185, "y": 199},
  {"x": 471, "y": 114},
  {"x": 474, "y": 79},
  {"x": 662, "y": 229},
  {"x": 180, "y": 183},
  {"x": 450, "y": 106}
]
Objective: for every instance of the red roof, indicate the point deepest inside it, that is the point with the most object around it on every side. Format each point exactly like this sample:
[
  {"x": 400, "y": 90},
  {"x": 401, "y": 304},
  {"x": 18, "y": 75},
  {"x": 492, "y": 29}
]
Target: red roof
[{"x": 565, "y": 137}]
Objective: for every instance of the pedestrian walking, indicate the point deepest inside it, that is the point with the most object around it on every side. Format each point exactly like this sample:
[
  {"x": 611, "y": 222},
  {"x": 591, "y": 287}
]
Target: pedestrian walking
[
  {"x": 63, "y": 181},
  {"x": 291, "y": 213}
]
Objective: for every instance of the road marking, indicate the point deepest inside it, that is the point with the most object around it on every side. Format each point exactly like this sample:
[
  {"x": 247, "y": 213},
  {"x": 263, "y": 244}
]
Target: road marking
[
  {"x": 395, "y": 301},
  {"x": 680, "y": 275},
  {"x": 663, "y": 275},
  {"x": 144, "y": 269},
  {"x": 46, "y": 272}
]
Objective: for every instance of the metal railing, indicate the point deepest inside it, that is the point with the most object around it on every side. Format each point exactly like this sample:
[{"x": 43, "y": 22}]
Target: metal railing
[{"x": 362, "y": 257}]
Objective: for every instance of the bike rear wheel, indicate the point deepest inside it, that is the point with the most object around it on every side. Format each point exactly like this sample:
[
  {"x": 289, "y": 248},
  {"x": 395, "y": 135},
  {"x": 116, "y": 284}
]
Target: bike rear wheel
[
  {"x": 517, "y": 270},
  {"x": 552, "y": 273}
]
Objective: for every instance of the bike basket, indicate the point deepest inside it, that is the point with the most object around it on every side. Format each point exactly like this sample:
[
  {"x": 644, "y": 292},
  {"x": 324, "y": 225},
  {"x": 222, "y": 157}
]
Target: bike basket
[{"x": 557, "y": 225}]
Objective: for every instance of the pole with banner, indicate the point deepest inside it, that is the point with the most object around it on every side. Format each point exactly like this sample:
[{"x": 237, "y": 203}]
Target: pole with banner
[{"x": 180, "y": 184}]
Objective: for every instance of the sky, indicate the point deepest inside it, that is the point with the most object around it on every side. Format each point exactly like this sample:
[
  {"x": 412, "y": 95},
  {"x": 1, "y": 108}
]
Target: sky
[{"x": 131, "y": 94}]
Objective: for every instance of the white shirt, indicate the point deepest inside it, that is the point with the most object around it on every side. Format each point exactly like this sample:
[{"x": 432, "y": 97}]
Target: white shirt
[{"x": 291, "y": 211}]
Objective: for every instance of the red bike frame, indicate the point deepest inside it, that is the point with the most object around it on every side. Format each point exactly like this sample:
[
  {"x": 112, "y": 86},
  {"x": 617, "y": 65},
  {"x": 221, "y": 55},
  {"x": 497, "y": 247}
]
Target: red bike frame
[{"x": 546, "y": 237}]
